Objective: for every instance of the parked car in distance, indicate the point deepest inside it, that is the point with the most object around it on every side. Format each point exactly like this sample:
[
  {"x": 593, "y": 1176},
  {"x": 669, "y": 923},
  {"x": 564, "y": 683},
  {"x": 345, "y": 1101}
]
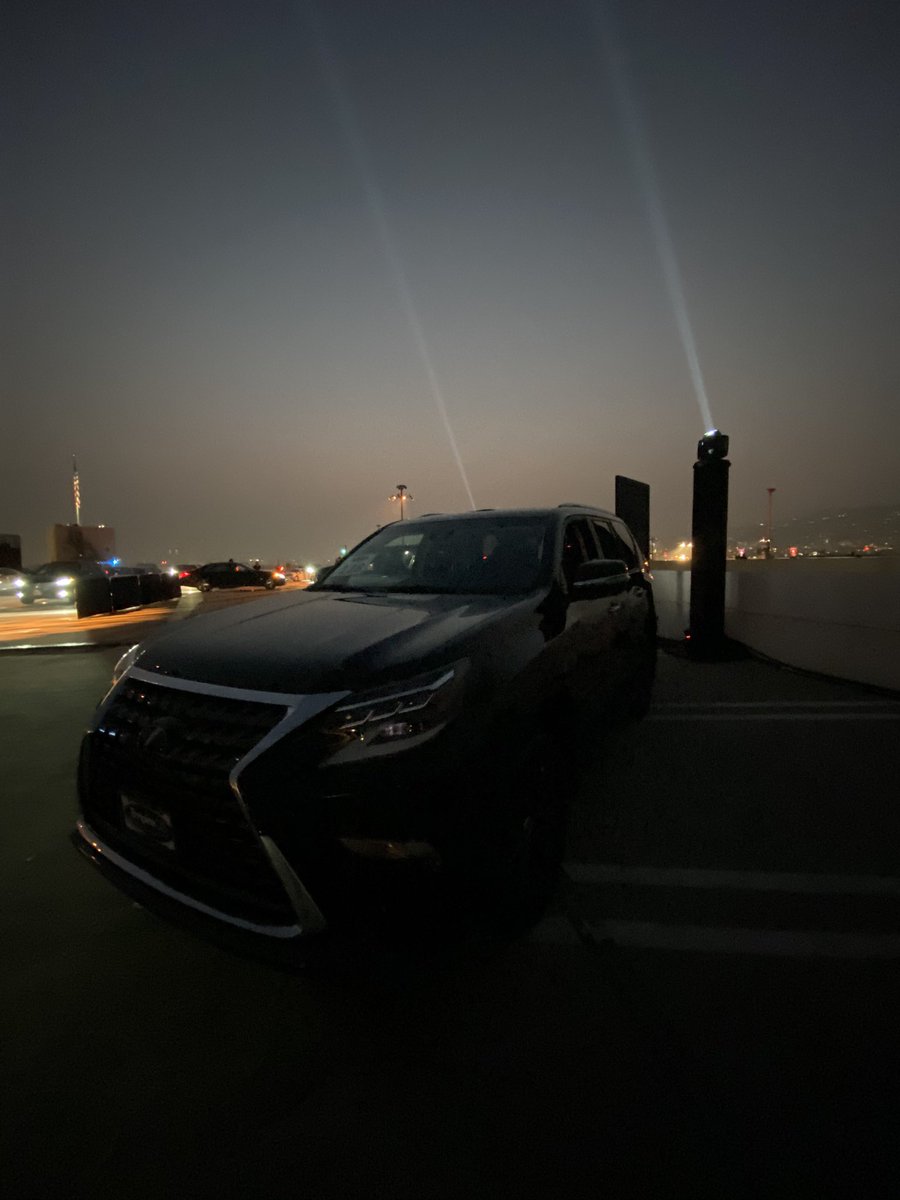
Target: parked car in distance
[
  {"x": 55, "y": 582},
  {"x": 231, "y": 575},
  {"x": 406, "y": 725},
  {"x": 182, "y": 570}
]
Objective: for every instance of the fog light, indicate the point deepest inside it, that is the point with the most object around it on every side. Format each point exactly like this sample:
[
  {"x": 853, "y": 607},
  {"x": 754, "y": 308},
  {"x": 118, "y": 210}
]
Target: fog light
[{"x": 382, "y": 848}]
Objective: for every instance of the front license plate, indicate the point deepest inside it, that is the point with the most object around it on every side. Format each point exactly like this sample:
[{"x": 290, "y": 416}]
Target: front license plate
[{"x": 150, "y": 822}]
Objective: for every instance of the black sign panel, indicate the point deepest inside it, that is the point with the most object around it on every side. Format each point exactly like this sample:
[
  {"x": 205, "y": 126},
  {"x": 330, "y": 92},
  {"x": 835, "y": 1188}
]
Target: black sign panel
[
  {"x": 92, "y": 596},
  {"x": 633, "y": 506}
]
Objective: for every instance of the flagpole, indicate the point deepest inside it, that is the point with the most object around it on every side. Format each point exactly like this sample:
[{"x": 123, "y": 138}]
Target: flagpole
[{"x": 76, "y": 491}]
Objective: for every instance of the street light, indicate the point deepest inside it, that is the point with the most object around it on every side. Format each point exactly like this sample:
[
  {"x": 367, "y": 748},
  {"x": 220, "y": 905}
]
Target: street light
[
  {"x": 771, "y": 492},
  {"x": 402, "y": 495}
]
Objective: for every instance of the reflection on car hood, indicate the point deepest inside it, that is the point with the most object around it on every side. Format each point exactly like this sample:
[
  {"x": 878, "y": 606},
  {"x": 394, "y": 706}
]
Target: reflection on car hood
[{"x": 322, "y": 641}]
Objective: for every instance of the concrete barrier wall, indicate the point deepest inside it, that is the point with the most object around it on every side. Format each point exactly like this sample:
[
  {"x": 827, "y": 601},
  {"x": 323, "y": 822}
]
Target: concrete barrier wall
[{"x": 840, "y": 616}]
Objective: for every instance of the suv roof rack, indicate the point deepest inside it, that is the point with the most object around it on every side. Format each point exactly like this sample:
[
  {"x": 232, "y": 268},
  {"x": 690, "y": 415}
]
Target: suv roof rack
[{"x": 574, "y": 504}]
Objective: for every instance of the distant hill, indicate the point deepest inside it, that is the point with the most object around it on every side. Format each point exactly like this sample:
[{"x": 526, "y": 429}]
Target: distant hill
[{"x": 831, "y": 529}]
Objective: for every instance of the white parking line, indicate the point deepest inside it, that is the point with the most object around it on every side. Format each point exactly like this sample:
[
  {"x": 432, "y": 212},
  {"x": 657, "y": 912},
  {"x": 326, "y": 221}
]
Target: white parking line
[
  {"x": 774, "y": 716},
  {"x": 781, "y": 943},
  {"x": 750, "y": 881},
  {"x": 776, "y": 710},
  {"x": 775, "y": 704}
]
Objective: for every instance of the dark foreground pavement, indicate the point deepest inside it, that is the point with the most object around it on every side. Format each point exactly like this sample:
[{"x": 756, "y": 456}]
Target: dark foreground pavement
[{"x": 709, "y": 1009}]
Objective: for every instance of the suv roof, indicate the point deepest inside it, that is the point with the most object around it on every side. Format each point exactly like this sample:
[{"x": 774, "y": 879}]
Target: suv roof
[{"x": 487, "y": 513}]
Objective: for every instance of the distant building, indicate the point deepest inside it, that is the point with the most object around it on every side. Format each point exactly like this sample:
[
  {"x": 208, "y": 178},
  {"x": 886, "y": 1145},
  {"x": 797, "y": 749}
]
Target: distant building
[
  {"x": 66, "y": 543},
  {"x": 11, "y": 551}
]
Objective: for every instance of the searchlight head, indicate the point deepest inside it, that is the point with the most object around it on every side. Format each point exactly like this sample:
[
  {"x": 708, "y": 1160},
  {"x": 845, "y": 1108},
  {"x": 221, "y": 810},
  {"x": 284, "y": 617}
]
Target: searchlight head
[{"x": 713, "y": 444}]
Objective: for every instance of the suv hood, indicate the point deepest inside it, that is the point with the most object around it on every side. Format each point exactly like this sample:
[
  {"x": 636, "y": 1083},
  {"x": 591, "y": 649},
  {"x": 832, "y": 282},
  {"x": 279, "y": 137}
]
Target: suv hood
[{"x": 325, "y": 641}]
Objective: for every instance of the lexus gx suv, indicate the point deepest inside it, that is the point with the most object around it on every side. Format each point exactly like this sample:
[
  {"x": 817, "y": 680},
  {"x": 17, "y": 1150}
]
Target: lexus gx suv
[{"x": 285, "y": 765}]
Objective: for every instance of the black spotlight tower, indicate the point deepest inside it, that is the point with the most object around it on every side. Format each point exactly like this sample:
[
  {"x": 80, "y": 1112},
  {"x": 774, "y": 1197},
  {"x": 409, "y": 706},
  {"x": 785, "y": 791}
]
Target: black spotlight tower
[{"x": 709, "y": 532}]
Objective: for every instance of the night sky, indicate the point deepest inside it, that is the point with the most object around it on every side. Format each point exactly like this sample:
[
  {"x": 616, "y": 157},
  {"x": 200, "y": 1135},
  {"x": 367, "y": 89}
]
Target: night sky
[{"x": 265, "y": 260}]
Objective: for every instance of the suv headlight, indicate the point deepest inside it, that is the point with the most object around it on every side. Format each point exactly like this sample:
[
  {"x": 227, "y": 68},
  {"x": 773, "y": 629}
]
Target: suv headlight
[{"x": 397, "y": 716}]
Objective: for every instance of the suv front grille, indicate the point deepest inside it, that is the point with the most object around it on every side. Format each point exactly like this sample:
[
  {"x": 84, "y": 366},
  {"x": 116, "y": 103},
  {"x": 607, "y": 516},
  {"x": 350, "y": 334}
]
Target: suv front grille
[
  {"x": 171, "y": 752},
  {"x": 190, "y": 731}
]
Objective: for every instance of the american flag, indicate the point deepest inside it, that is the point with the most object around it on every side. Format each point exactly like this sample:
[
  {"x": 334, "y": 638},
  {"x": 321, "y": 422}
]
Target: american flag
[{"x": 76, "y": 491}]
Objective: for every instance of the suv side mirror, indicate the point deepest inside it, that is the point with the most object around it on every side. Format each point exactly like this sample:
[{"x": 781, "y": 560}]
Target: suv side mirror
[
  {"x": 600, "y": 570},
  {"x": 324, "y": 572}
]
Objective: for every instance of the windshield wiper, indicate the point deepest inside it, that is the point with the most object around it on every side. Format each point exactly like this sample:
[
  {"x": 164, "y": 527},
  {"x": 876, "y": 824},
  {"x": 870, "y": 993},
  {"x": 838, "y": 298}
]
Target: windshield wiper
[{"x": 419, "y": 589}]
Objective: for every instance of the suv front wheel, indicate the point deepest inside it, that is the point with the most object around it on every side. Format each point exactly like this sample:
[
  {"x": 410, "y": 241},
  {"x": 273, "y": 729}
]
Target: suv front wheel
[{"x": 513, "y": 864}]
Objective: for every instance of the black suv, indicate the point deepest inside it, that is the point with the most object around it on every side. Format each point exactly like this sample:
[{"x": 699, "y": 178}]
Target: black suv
[
  {"x": 283, "y": 765},
  {"x": 230, "y": 574}
]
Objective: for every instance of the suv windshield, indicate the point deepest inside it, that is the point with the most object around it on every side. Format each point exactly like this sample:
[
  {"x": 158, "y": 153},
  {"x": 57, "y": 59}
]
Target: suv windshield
[
  {"x": 51, "y": 570},
  {"x": 489, "y": 555}
]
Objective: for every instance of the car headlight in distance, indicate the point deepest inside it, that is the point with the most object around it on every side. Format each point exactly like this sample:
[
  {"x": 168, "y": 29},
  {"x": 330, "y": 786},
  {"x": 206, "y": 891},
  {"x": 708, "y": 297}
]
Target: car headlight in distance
[
  {"x": 403, "y": 713},
  {"x": 127, "y": 660}
]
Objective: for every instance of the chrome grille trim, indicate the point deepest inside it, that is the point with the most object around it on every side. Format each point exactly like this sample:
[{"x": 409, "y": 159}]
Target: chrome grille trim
[
  {"x": 125, "y": 864},
  {"x": 300, "y": 708}
]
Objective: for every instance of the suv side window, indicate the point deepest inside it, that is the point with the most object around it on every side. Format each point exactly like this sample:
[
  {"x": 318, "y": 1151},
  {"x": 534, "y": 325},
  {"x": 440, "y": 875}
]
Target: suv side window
[
  {"x": 608, "y": 544},
  {"x": 615, "y": 543},
  {"x": 632, "y": 554},
  {"x": 578, "y": 547}
]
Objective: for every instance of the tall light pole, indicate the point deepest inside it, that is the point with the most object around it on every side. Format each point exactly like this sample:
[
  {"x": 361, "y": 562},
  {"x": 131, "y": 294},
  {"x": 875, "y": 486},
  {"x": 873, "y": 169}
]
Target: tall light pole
[
  {"x": 402, "y": 495},
  {"x": 76, "y": 491},
  {"x": 771, "y": 492}
]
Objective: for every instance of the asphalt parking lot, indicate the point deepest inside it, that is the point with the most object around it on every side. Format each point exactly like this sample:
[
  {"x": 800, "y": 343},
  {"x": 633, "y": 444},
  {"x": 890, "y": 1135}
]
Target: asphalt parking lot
[{"x": 708, "y": 1008}]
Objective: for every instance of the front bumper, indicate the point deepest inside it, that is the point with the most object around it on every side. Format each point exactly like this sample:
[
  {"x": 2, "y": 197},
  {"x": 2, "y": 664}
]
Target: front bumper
[
  {"x": 275, "y": 845},
  {"x": 149, "y": 888}
]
